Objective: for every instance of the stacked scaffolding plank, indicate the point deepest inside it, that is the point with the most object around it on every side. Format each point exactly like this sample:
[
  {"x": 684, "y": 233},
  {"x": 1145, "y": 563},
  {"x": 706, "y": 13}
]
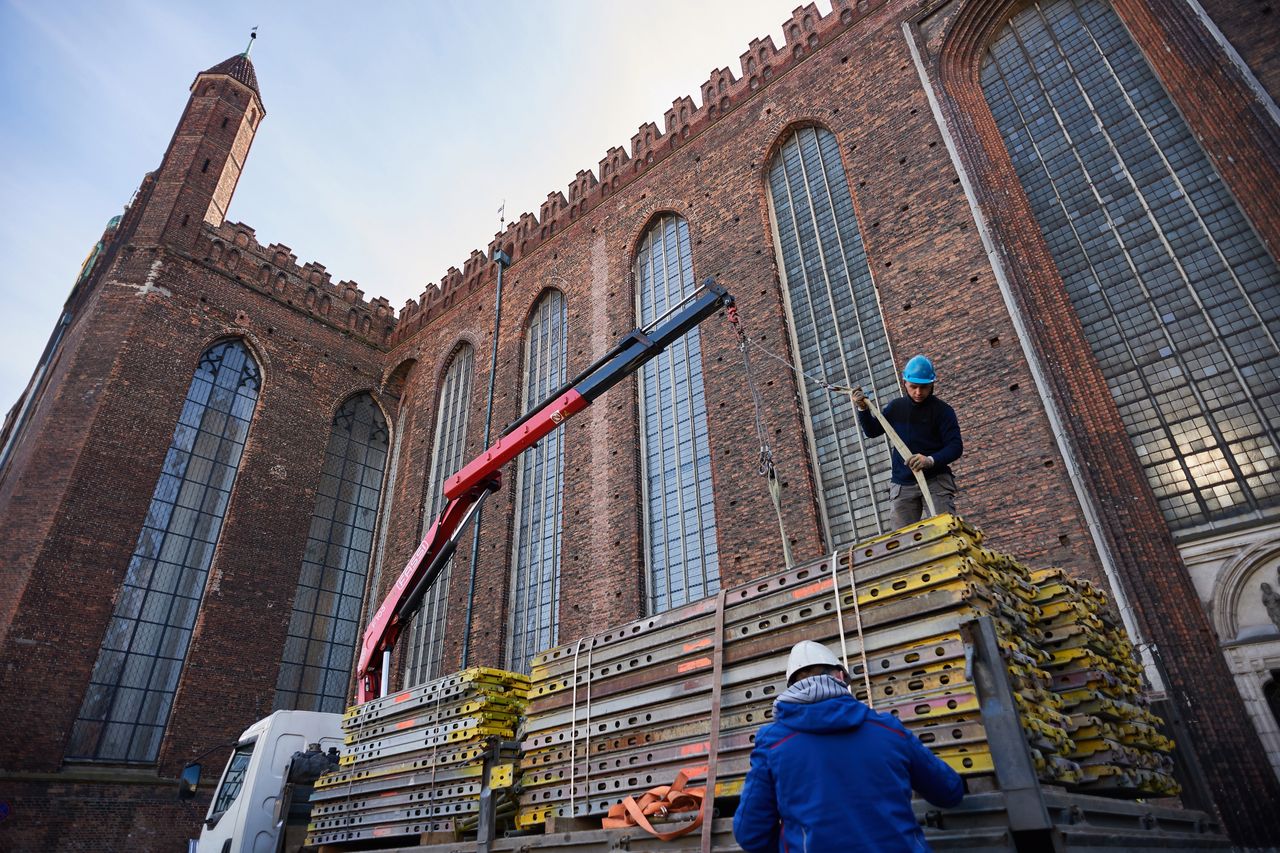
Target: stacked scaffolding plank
[
  {"x": 1040, "y": 711},
  {"x": 1098, "y": 680},
  {"x": 414, "y": 761},
  {"x": 625, "y": 710}
]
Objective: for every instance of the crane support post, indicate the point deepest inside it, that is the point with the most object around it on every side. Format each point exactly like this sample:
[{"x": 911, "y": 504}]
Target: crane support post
[{"x": 465, "y": 489}]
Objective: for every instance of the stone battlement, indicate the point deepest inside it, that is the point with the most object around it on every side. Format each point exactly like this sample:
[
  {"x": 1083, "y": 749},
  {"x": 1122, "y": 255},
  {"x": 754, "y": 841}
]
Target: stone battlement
[
  {"x": 437, "y": 298},
  {"x": 274, "y": 269},
  {"x": 805, "y": 31}
]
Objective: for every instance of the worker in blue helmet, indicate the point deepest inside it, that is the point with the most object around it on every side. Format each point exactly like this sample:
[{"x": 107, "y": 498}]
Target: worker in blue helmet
[{"x": 931, "y": 432}]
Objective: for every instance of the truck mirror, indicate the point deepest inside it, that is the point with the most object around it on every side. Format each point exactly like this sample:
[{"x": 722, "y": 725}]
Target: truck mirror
[{"x": 189, "y": 781}]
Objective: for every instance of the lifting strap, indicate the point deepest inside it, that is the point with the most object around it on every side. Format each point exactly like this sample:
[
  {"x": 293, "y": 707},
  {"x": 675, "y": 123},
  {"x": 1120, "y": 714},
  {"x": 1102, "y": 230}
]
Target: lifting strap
[
  {"x": 586, "y": 731},
  {"x": 662, "y": 800},
  {"x": 713, "y": 747},
  {"x": 766, "y": 452},
  {"x": 862, "y": 642}
]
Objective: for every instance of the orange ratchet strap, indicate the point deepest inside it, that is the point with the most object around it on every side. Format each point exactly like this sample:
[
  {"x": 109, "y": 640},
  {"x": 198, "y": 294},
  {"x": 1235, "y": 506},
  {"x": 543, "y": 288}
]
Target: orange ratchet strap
[{"x": 662, "y": 800}]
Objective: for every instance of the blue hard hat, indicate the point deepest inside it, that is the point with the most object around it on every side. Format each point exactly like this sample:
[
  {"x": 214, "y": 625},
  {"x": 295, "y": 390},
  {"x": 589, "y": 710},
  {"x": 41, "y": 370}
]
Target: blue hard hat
[{"x": 919, "y": 371}]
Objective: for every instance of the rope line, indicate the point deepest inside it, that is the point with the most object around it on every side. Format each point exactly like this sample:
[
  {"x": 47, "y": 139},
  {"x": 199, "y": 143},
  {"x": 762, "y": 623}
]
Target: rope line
[
  {"x": 573, "y": 730},
  {"x": 586, "y": 730},
  {"x": 766, "y": 466},
  {"x": 832, "y": 387},
  {"x": 862, "y": 642},
  {"x": 857, "y": 615},
  {"x": 835, "y": 590}
]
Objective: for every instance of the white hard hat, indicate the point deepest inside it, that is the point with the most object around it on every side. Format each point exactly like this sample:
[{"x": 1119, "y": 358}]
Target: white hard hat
[{"x": 808, "y": 653}]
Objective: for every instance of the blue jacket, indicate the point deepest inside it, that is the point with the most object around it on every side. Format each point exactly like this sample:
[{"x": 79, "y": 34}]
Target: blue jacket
[
  {"x": 835, "y": 776},
  {"x": 930, "y": 428}
]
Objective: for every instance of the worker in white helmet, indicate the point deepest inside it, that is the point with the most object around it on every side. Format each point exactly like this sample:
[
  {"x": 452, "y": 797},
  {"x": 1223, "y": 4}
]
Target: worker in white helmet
[
  {"x": 830, "y": 774},
  {"x": 931, "y": 431}
]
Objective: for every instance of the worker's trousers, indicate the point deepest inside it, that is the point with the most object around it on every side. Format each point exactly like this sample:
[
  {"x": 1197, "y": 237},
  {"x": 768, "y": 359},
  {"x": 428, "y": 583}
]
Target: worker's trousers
[{"x": 908, "y": 503}]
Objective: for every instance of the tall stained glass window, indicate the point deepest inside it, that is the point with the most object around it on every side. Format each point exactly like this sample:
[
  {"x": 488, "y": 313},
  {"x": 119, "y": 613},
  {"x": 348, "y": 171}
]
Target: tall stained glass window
[
  {"x": 680, "y": 519},
  {"x": 1178, "y": 297},
  {"x": 124, "y": 712},
  {"x": 326, "y": 608},
  {"x": 837, "y": 331},
  {"x": 426, "y": 636},
  {"x": 535, "y": 585}
]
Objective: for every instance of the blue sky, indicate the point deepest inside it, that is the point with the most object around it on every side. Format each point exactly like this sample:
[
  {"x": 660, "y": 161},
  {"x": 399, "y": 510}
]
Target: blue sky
[{"x": 393, "y": 130}]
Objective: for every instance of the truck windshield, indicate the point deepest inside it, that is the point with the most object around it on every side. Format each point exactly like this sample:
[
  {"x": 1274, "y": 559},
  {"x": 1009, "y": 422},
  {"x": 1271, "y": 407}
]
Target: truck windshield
[{"x": 233, "y": 779}]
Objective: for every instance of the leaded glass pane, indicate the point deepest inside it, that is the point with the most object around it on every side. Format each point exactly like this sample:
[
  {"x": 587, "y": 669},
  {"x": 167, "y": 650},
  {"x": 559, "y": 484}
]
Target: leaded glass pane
[
  {"x": 1178, "y": 297},
  {"x": 426, "y": 634},
  {"x": 322, "y": 628},
  {"x": 535, "y": 584},
  {"x": 837, "y": 330},
  {"x": 126, "y": 707},
  {"x": 680, "y": 521}
]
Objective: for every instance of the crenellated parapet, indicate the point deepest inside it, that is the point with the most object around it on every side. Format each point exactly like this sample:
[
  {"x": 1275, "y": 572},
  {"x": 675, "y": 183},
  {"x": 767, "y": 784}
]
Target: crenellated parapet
[
  {"x": 476, "y": 272},
  {"x": 644, "y": 143},
  {"x": 720, "y": 93},
  {"x": 677, "y": 119},
  {"x": 613, "y": 170},
  {"x": 581, "y": 187},
  {"x": 804, "y": 32},
  {"x": 550, "y": 214},
  {"x": 274, "y": 269},
  {"x": 474, "y": 265}
]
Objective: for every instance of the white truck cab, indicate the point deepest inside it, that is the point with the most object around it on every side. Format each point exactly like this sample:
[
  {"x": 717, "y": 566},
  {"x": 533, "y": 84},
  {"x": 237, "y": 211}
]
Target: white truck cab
[{"x": 250, "y": 808}]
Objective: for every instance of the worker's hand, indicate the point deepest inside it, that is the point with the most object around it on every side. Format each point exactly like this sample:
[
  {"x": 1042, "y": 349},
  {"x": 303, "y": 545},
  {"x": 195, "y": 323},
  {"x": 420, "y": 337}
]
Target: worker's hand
[
  {"x": 860, "y": 399},
  {"x": 919, "y": 462}
]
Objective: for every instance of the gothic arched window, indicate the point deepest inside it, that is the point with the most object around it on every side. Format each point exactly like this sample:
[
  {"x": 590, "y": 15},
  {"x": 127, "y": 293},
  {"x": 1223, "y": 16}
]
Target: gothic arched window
[
  {"x": 425, "y": 653},
  {"x": 1178, "y": 298},
  {"x": 679, "y": 513},
  {"x": 126, "y": 708},
  {"x": 837, "y": 332},
  {"x": 325, "y": 623},
  {"x": 535, "y": 581}
]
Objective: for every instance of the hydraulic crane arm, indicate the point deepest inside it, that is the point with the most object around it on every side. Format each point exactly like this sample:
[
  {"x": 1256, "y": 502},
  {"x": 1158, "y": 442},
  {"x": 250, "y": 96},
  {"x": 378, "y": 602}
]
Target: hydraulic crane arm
[{"x": 466, "y": 490}]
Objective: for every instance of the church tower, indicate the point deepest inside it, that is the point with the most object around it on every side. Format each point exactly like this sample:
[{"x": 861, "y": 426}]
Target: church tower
[{"x": 204, "y": 160}]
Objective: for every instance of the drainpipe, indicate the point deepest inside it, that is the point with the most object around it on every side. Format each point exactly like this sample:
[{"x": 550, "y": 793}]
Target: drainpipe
[{"x": 503, "y": 260}]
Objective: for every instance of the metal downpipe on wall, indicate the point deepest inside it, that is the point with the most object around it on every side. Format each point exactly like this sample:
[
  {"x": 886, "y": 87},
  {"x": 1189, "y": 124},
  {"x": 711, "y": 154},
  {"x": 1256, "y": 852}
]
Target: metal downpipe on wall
[{"x": 503, "y": 260}]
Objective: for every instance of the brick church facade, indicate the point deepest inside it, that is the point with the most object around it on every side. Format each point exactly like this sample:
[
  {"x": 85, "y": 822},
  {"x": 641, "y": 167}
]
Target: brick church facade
[{"x": 224, "y": 458}]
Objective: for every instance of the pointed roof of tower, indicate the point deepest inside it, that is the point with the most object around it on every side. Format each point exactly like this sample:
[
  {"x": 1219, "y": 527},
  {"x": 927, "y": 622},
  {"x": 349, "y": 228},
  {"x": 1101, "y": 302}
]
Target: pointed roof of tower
[{"x": 238, "y": 68}]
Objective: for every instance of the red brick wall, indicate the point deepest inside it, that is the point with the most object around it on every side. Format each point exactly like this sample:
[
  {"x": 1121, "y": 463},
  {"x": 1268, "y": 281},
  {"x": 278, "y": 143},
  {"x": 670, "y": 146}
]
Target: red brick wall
[{"x": 83, "y": 815}]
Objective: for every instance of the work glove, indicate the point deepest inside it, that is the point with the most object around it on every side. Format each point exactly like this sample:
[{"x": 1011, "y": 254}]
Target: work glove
[
  {"x": 860, "y": 399},
  {"x": 920, "y": 462}
]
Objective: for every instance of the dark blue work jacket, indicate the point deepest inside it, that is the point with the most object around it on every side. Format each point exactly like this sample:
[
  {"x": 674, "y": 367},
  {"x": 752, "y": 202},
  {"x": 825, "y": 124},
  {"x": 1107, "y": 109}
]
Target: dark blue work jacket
[{"x": 836, "y": 776}]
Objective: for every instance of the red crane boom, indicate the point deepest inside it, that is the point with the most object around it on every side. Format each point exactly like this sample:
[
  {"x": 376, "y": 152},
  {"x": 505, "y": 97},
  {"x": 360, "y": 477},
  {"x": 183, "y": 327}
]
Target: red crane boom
[{"x": 466, "y": 490}]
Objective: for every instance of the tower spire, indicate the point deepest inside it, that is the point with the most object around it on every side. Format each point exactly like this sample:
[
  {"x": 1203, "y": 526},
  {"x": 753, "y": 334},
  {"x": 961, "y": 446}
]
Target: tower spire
[{"x": 253, "y": 35}]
